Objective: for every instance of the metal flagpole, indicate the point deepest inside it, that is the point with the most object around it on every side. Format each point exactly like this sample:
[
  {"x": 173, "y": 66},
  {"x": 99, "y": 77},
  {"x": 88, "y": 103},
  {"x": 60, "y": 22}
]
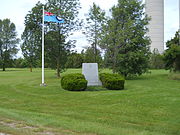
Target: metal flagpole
[{"x": 43, "y": 84}]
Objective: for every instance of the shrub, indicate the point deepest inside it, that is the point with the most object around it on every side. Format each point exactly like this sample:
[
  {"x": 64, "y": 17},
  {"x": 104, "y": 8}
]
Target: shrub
[
  {"x": 74, "y": 82},
  {"x": 174, "y": 76},
  {"x": 112, "y": 81}
]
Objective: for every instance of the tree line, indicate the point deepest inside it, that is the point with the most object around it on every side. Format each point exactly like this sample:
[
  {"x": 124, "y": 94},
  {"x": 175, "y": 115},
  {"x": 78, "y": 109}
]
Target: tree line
[{"x": 122, "y": 37}]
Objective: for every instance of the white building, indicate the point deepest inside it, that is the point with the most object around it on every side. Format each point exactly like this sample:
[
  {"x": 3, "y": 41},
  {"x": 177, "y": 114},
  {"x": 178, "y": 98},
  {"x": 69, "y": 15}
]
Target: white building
[{"x": 155, "y": 9}]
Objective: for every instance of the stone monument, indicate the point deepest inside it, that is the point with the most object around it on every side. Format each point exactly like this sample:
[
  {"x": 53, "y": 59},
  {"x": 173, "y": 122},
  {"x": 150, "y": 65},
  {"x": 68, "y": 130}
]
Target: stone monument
[{"x": 90, "y": 71}]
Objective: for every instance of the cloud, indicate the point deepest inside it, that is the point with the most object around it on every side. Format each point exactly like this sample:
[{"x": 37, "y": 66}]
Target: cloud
[
  {"x": 171, "y": 18},
  {"x": 80, "y": 40}
]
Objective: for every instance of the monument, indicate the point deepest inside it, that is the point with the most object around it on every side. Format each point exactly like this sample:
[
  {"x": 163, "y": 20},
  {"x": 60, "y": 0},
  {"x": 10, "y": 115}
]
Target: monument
[
  {"x": 90, "y": 71},
  {"x": 155, "y": 10}
]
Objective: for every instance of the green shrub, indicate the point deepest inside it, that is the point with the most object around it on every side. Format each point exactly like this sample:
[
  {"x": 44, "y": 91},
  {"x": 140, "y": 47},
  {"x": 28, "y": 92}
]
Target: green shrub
[
  {"x": 74, "y": 82},
  {"x": 174, "y": 76},
  {"x": 112, "y": 81}
]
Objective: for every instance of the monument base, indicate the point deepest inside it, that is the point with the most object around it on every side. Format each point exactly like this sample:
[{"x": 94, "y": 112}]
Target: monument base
[
  {"x": 43, "y": 84},
  {"x": 94, "y": 83}
]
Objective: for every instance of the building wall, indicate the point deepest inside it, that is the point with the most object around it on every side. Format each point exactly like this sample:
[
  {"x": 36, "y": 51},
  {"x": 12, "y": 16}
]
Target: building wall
[{"x": 155, "y": 9}]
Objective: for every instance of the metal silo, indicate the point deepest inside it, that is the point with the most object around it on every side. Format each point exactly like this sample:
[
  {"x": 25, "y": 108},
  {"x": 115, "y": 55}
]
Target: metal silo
[{"x": 155, "y": 9}]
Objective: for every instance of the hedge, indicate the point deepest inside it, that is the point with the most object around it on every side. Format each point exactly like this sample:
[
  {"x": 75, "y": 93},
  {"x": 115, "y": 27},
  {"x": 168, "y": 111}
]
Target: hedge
[
  {"x": 74, "y": 82},
  {"x": 112, "y": 81}
]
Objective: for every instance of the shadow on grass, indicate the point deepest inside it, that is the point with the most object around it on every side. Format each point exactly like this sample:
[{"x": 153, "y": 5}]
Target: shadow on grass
[
  {"x": 99, "y": 88},
  {"x": 10, "y": 70},
  {"x": 148, "y": 76},
  {"x": 137, "y": 78},
  {"x": 95, "y": 88}
]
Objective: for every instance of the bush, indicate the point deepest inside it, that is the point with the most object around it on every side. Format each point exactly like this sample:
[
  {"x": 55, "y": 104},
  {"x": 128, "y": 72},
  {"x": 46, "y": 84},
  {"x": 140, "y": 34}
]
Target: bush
[
  {"x": 112, "y": 81},
  {"x": 174, "y": 76},
  {"x": 74, "y": 82}
]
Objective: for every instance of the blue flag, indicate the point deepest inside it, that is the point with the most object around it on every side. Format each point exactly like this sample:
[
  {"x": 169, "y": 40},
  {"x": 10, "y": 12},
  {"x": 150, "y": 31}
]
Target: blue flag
[{"x": 53, "y": 18}]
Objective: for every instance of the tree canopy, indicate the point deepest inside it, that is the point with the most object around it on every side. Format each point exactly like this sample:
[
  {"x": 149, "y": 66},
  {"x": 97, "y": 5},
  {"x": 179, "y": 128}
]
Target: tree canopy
[
  {"x": 31, "y": 37},
  {"x": 57, "y": 44},
  {"x": 172, "y": 54},
  {"x": 93, "y": 28},
  {"x": 125, "y": 42},
  {"x": 8, "y": 42}
]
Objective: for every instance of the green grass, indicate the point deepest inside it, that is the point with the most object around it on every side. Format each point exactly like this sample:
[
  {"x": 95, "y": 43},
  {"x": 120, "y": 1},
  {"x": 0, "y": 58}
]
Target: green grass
[{"x": 149, "y": 105}]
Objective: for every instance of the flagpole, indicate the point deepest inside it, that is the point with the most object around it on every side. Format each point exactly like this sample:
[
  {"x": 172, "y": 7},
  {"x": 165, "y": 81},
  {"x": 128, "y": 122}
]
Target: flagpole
[{"x": 43, "y": 84}]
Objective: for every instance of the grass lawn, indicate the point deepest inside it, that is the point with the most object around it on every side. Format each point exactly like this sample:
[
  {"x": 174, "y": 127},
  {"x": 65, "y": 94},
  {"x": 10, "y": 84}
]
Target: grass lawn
[{"x": 149, "y": 105}]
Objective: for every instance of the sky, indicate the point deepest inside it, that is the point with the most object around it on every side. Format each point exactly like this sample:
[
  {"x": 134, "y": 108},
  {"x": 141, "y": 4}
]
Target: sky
[{"x": 16, "y": 11}]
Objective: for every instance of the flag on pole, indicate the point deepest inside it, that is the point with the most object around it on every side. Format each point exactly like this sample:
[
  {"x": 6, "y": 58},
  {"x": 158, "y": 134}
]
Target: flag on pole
[
  {"x": 47, "y": 17},
  {"x": 48, "y": 13},
  {"x": 50, "y": 17},
  {"x": 43, "y": 84}
]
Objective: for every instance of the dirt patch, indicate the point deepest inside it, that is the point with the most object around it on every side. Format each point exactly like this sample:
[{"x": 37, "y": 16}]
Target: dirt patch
[
  {"x": 22, "y": 126},
  {"x": 4, "y": 134}
]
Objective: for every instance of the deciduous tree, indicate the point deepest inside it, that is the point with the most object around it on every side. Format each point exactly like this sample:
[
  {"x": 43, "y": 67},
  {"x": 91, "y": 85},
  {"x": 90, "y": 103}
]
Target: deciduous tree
[
  {"x": 31, "y": 37},
  {"x": 59, "y": 44},
  {"x": 93, "y": 29},
  {"x": 125, "y": 41},
  {"x": 172, "y": 54},
  {"x": 8, "y": 42},
  {"x": 74, "y": 60},
  {"x": 88, "y": 54}
]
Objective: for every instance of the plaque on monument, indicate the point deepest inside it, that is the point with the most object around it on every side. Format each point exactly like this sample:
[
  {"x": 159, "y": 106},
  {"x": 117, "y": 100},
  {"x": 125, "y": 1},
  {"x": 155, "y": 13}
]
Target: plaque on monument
[{"x": 90, "y": 71}]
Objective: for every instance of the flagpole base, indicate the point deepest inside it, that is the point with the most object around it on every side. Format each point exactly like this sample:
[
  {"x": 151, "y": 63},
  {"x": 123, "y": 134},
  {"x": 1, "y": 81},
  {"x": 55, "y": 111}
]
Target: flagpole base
[{"x": 43, "y": 85}]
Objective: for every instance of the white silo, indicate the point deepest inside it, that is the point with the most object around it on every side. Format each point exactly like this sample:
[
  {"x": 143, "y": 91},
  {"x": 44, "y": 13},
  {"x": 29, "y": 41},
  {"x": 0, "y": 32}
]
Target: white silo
[{"x": 155, "y": 9}]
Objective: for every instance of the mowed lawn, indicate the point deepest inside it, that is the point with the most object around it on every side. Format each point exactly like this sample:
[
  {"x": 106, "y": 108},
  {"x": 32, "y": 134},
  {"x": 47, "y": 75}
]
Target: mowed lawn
[{"x": 149, "y": 105}]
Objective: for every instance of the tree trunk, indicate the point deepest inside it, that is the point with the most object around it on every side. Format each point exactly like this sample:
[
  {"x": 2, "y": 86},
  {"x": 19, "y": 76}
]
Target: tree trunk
[
  {"x": 58, "y": 68},
  {"x": 30, "y": 68},
  {"x": 4, "y": 69},
  {"x": 114, "y": 64},
  {"x": 95, "y": 56},
  {"x": 115, "y": 56},
  {"x": 95, "y": 43},
  {"x": 5, "y": 59}
]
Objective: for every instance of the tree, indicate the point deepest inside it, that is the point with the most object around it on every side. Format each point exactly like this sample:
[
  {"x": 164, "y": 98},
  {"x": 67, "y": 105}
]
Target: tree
[
  {"x": 95, "y": 19},
  {"x": 88, "y": 56},
  {"x": 125, "y": 41},
  {"x": 172, "y": 54},
  {"x": 31, "y": 37},
  {"x": 20, "y": 63},
  {"x": 56, "y": 43},
  {"x": 156, "y": 60},
  {"x": 8, "y": 42},
  {"x": 59, "y": 45},
  {"x": 74, "y": 60},
  {"x": 56, "y": 55},
  {"x": 30, "y": 47}
]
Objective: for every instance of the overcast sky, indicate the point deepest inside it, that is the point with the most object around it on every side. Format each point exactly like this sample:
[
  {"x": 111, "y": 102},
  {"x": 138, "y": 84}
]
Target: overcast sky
[{"x": 16, "y": 11}]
